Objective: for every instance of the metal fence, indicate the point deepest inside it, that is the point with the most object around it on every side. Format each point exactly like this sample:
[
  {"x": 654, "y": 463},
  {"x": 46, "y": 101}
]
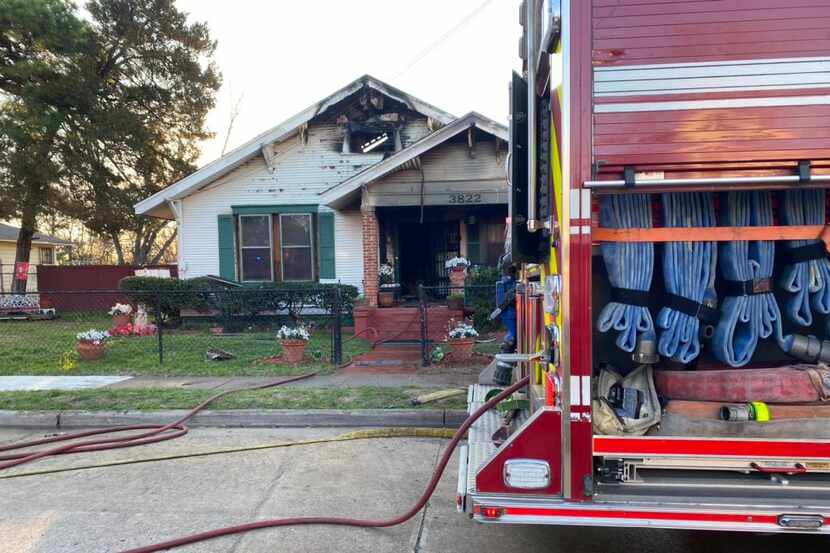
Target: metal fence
[
  {"x": 181, "y": 331},
  {"x": 471, "y": 303}
]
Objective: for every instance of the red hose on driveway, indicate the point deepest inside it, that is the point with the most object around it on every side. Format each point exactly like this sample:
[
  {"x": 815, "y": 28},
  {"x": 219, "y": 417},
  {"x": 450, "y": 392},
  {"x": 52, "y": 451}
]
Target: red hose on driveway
[{"x": 342, "y": 521}]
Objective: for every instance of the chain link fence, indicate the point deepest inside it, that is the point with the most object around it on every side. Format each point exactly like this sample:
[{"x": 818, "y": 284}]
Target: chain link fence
[{"x": 172, "y": 332}]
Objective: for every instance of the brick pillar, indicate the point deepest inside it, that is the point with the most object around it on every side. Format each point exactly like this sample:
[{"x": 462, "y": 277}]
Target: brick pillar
[{"x": 370, "y": 255}]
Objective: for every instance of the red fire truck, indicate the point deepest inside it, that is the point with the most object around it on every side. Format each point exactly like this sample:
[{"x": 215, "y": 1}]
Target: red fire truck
[{"x": 668, "y": 167}]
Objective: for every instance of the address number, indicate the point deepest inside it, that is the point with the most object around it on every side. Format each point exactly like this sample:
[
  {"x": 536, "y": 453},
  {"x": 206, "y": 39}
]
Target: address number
[{"x": 465, "y": 198}]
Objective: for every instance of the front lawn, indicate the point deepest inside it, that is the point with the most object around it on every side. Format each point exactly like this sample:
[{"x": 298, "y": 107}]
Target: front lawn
[
  {"x": 103, "y": 399},
  {"x": 48, "y": 348}
]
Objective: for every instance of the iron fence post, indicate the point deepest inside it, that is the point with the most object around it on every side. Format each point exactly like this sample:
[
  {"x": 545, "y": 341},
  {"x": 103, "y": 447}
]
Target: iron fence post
[
  {"x": 422, "y": 311},
  {"x": 337, "y": 330},
  {"x": 159, "y": 327}
]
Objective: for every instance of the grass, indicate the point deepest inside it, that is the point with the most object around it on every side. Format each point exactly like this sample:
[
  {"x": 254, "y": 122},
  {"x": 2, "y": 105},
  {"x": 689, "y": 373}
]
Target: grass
[
  {"x": 370, "y": 397},
  {"x": 41, "y": 347}
]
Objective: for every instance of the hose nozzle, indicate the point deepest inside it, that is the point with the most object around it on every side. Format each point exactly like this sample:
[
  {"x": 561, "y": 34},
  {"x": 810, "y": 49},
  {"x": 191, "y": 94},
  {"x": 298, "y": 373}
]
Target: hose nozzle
[{"x": 810, "y": 349}]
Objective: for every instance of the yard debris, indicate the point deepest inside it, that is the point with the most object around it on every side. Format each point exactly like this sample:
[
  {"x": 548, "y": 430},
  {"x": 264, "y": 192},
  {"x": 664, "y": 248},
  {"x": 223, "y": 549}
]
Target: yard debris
[
  {"x": 216, "y": 354},
  {"x": 438, "y": 396}
]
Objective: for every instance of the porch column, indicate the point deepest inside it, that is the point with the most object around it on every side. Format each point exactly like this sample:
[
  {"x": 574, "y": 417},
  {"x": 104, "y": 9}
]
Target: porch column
[{"x": 370, "y": 254}]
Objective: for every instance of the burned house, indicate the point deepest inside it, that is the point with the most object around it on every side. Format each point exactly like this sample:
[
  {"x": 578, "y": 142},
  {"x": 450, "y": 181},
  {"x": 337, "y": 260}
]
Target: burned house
[{"x": 366, "y": 176}]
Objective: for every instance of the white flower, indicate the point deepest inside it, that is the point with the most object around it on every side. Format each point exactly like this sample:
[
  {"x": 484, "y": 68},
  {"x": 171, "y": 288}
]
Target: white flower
[
  {"x": 93, "y": 336},
  {"x": 462, "y": 330},
  {"x": 121, "y": 309},
  {"x": 386, "y": 270},
  {"x": 293, "y": 333},
  {"x": 457, "y": 262}
]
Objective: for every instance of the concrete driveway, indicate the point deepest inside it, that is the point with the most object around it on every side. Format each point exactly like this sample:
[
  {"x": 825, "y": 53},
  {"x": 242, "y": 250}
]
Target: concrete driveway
[{"x": 116, "y": 508}]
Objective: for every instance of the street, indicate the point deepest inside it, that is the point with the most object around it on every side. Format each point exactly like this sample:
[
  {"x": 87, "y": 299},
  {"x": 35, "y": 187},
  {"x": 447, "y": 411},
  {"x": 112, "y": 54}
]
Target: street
[{"x": 115, "y": 508}]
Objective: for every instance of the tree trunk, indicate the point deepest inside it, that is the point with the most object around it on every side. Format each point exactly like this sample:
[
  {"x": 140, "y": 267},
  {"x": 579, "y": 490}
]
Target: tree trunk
[
  {"x": 163, "y": 248},
  {"x": 119, "y": 251},
  {"x": 24, "y": 244}
]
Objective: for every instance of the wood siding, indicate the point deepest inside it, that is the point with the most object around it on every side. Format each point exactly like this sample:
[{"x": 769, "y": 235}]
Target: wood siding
[
  {"x": 300, "y": 172},
  {"x": 448, "y": 171},
  {"x": 634, "y": 32}
]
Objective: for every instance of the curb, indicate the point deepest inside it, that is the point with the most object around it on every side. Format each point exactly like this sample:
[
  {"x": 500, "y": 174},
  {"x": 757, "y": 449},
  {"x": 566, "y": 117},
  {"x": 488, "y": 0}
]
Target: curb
[{"x": 242, "y": 418}]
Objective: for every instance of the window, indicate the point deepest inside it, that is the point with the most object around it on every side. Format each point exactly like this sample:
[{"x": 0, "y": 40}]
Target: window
[
  {"x": 47, "y": 256},
  {"x": 296, "y": 246},
  {"x": 255, "y": 247}
]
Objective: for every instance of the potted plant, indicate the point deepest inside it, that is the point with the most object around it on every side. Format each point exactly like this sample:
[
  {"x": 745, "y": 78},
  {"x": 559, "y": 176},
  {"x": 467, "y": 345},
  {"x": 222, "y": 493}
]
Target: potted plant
[
  {"x": 388, "y": 286},
  {"x": 121, "y": 314},
  {"x": 91, "y": 344},
  {"x": 293, "y": 341},
  {"x": 462, "y": 337},
  {"x": 458, "y": 273}
]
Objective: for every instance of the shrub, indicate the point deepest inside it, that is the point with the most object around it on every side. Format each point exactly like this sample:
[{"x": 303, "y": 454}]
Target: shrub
[{"x": 235, "y": 303}]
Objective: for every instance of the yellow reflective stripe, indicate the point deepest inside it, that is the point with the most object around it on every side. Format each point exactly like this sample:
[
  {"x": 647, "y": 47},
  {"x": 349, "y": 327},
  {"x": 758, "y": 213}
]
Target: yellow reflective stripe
[{"x": 761, "y": 411}]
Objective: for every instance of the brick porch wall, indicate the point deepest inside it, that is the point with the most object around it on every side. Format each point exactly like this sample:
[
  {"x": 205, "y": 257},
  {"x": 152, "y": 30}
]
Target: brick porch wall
[{"x": 369, "y": 222}]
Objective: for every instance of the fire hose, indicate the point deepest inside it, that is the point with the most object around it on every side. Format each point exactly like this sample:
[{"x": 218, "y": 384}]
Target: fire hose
[
  {"x": 630, "y": 266},
  {"x": 344, "y": 521},
  {"x": 806, "y": 275},
  {"x": 154, "y": 434},
  {"x": 689, "y": 276}
]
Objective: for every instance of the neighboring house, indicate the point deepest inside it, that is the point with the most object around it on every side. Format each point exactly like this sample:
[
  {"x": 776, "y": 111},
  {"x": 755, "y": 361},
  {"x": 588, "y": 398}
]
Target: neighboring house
[
  {"x": 367, "y": 175},
  {"x": 44, "y": 252}
]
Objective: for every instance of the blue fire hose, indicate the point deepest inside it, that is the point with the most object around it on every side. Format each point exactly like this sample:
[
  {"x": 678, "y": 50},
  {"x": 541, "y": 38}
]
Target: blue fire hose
[
  {"x": 630, "y": 266},
  {"x": 806, "y": 276},
  {"x": 749, "y": 311},
  {"x": 688, "y": 275}
]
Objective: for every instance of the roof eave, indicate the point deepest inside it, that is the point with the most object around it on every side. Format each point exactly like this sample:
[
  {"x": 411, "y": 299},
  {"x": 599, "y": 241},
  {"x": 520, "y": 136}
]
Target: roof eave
[{"x": 232, "y": 160}]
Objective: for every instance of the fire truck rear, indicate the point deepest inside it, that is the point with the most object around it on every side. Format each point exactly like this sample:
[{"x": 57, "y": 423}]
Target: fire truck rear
[{"x": 668, "y": 169}]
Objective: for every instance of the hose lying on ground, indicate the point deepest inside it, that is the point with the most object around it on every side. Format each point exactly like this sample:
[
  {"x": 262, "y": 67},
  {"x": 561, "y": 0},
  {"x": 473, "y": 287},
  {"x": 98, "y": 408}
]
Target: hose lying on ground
[
  {"x": 371, "y": 434},
  {"x": 155, "y": 433},
  {"x": 343, "y": 521}
]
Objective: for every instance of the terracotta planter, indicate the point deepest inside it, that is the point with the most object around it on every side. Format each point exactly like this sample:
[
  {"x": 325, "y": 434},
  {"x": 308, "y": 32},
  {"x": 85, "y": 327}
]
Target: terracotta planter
[
  {"x": 293, "y": 350},
  {"x": 386, "y": 298},
  {"x": 462, "y": 348},
  {"x": 119, "y": 321},
  {"x": 458, "y": 275},
  {"x": 90, "y": 352}
]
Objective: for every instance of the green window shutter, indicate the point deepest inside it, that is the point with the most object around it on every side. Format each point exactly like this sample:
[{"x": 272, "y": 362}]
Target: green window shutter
[
  {"x": 473, "y": 244},
  {"x": 325, "y": 226},
  {"x": 227, "y": 247}
]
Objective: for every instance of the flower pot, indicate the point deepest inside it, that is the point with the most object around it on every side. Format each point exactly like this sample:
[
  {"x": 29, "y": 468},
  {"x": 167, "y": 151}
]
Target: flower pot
[
  {"x": 89, "y": 351},
  {"x": 119, "y": 321},
  {"x": 386, "y": 298},
  {"x": 462, "y": 348},
  {"x": 293, "y": 350}
]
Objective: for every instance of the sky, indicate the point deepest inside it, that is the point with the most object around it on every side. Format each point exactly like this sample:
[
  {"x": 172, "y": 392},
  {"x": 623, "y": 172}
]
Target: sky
[{"x": 277, "y": 57}]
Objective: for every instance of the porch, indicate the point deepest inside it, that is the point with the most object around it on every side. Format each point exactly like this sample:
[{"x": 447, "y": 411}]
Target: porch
[{"x": 403, "y": 323}]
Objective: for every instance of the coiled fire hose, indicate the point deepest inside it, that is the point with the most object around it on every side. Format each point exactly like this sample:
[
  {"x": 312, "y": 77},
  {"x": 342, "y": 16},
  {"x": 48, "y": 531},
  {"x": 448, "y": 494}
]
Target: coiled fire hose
[
  {"x": 806, "y": 275},
  {"x": 343, "y": 521},
  {"x": 749, "y": 311},
  {"x": 154, "y": 434},
  {"x": 689, "y": 276},
  {"x": 630, "y": 266}
]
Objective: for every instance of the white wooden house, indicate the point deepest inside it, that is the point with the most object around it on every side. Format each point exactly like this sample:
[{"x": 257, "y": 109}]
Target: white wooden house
[{"x": 367, "y": 175}]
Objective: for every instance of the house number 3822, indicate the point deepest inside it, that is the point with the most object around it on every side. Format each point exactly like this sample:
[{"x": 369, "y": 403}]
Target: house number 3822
[{"x": 465, "y": 198}]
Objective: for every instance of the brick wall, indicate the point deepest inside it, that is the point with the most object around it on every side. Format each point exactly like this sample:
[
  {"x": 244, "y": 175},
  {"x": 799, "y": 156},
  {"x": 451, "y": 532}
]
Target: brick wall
[{"x": 369, "y": 221}]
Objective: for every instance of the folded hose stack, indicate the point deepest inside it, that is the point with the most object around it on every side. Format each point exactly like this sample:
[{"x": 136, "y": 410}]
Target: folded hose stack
[{"x": 742, "y": 309}]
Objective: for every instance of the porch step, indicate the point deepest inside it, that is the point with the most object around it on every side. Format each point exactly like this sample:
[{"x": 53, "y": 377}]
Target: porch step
[{"x": 404, "y": 323}]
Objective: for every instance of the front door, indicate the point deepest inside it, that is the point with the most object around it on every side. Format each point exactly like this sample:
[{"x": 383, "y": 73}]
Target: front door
[{"x": 424, "y": 248}]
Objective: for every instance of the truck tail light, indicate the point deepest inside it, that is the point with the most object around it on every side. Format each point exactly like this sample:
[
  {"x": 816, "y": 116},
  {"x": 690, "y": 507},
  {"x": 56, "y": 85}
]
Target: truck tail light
[{"x": 491, "y": 512}]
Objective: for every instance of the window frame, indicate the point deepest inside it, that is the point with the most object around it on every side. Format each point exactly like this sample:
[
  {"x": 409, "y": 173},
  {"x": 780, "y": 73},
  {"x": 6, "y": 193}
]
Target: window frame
[
  {"x": 310, "y": 246},
  {"x": 243, "y": 247},
  {"x": 42, "y": 250}
]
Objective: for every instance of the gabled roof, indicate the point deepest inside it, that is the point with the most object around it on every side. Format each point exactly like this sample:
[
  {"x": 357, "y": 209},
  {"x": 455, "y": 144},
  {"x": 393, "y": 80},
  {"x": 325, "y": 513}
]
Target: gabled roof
[
  {"x": 342, "y": 194},
  {"x": 157, "y": 203},
  {"x": 9, "y": 233}
]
